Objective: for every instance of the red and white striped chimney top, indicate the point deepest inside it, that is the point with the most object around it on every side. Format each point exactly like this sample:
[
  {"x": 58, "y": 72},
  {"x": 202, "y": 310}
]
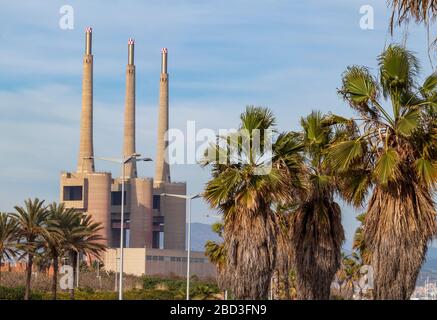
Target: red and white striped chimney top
[
  {"x": 88, "y": 30},
  {"x": 131, "y": 41},
  {"x": 164, "y": 50}
]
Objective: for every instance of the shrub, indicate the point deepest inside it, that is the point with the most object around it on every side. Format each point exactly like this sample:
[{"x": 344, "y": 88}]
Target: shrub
[{"x": 17, "y": 293}]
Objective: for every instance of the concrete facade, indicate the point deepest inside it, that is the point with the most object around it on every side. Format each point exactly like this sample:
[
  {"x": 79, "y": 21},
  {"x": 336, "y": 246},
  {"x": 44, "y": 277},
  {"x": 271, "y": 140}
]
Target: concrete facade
[
  {"x": 129, "y": 114},
  {"x": 154, "y": 262},
  {"x": 162, "y": 169},
  {"x": 86, "y": 150},
  {"x": 151, "y": 220}
]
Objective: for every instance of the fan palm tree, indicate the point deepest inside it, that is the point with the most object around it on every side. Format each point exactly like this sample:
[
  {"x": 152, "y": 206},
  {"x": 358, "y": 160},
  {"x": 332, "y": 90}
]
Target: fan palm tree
[
  {"x": 61, "y": 221},
  {"x": 316, "y": 230},
  {"x": 246, "y": 182},
  {"x": 8, "y": 237},
  {"x": 284, "y": 253},
  {"x": 81, "y": 236},
  {"x": 215, "y": 251},
  {"x": 393, "y": 154},
  {"x": 32, "y": 221},
  {"x": 418, "y": 10},
  {"x": 359, "y": 244}
]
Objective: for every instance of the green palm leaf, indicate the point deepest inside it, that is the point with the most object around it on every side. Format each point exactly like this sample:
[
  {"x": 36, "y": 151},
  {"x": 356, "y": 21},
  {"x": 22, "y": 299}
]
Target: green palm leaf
[
  {"x": 386, "y": 168},
  {"x": 342, "y": 154},
  {"x": 359, "y": 88},
  {"x": 427, "y": 171},
  {"x": 408, "y": 122},
  {"x": 398, "y": 68}
]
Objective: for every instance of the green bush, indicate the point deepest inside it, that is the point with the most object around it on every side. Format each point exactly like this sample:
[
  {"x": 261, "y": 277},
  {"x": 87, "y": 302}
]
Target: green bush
[{"x": 17, "y": 293}]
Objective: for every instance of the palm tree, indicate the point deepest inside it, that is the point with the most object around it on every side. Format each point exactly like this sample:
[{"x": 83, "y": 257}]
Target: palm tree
[
  {"x": 359, "y": 244},
  {"x": 418, "y": 10},
  {"x": 246, "y": 182},
  {"x": 215, "y": 251},
  {"x": 316, "y": 230},
  {"x": 61, "y": 220},
  {"x": 81, "y": 236},
  {"x": 393, "y": 153},
  {"x": 32, "y": 220},
  {"x": 8, "y": 237},
  {"x": 284, "y": 273}
]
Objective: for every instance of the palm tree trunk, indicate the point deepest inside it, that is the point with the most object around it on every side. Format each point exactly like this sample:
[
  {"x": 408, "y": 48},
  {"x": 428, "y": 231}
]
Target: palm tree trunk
[
  {"x": 0, "y": 270},
  {"x": 28, "y": 276},
  {"x": 251, "y": 255},
  {"x": 287, "y": 287},
  {"x": 400, "y": 222},
  {"x": 73, "y": 260},
  {"x": 55, "y": 277},
  {"x": 317, "y": 251}
]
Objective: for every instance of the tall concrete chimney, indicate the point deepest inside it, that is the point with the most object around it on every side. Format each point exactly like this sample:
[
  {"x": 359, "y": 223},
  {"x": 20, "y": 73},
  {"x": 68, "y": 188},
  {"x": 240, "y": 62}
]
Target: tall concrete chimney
[
  {"x": 162, "y": 173},
  {"x": 86, "y": 149},
  {"x": 129, "y": 113}
]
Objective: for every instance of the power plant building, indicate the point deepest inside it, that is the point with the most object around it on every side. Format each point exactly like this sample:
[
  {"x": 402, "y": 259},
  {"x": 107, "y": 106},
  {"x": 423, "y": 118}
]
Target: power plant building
[{"x": 150, "y": 220}]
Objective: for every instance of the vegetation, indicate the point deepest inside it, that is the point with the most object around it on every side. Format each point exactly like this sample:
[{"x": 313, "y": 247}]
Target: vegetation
[
  {"x": 216, "y": 253},
  {"x": 386, "y": 158},
  {"x": 42, "y": 235},
  {"x": 317, "y": 232},
  {"x": 393, "y": 154},
  {"x": 420, "y": 11},
  {"x": 245, "y": 194},
  {"x": 137, "y": 288},
  {"x": 8, "y": 234}
]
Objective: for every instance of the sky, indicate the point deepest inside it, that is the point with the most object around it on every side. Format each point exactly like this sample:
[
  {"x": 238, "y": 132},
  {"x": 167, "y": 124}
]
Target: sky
[{"x": 223, "y": 55}]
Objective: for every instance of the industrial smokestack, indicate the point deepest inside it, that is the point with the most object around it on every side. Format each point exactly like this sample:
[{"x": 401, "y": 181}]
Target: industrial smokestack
[
  {"x": 86, "y": 149},
  {"x": 164, "y": 60},
  {"x": 88, "y": 40},
  {"x": 162, "y": 170},
  {"x": 129, "y": 113}
]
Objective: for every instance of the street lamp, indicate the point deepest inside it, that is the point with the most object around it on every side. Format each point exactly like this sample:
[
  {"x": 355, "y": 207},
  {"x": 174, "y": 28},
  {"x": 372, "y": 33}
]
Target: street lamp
[
  {"x": 123, "y": 161},
  {"x": 189, "y": 198}
]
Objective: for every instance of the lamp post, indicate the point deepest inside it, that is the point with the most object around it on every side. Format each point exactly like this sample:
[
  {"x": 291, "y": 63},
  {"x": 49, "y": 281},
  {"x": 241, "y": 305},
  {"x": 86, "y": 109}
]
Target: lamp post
[
  {"x": 189, "y": 198},
  {"x": 122, "y": 161}
]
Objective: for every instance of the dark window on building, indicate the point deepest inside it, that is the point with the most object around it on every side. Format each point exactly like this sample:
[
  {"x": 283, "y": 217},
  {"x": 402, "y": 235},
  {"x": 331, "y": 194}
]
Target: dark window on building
[
  {"x": 158, "y": 220},
  {"x": 155, "y": 241},
  {"x": 157, "y": 202},
  {"x": 116, "y": 198},
  {"x": 73, "y": 193}
]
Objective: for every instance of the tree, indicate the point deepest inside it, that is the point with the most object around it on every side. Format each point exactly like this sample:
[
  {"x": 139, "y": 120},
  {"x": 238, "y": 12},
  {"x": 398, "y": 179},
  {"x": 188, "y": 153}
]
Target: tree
[
  {"x": 359, "y": 244},
  {"x": 316, "y": 230},
  {"x": 81, "y": 236},
  {"x": 215, "y": 251},
  {"x": 393, "y": 153},
  {"x": 32, "y": 222},
  {"x": 8, "y": 237},
  {"x": 61, "y": 221},
  {"x": 421, "y": 11},
  {"x": 246, "y": 182}
]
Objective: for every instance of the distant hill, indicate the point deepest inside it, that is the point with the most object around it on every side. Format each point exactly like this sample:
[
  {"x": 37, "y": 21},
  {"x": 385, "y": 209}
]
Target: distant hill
[{"x": 200, "y": 233}]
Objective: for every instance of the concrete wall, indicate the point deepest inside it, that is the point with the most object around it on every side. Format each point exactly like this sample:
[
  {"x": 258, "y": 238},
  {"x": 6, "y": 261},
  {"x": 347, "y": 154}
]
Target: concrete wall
[
  {"x": 174, "y": 212},
  {"x": 99, "y": 201},
  {"x": 155, "y": 262},
  {"x": 174, "y": 263},
  {"x": 72, "y": 179},
  {"x": 134, "y": 260},
  {"x": 141, "y": 213},
  {"x": 96, "y": 198}
]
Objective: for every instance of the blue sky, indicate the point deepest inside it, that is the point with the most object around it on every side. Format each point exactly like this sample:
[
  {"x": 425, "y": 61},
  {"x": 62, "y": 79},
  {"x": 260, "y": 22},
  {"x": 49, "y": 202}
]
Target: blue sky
[{"x": 223, "y": 55}]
